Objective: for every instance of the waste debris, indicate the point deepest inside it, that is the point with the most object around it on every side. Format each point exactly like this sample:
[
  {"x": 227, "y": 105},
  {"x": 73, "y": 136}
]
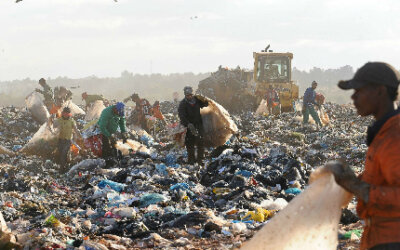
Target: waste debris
[{"x": 151, "y": 198}]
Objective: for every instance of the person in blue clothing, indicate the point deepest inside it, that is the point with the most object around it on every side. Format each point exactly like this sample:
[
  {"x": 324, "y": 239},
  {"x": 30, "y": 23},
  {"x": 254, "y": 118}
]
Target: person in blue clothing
[{"x": 309, "y": 103}]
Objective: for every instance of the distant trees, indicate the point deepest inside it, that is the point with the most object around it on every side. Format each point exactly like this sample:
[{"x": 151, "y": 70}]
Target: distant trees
[
  {"x": 327, "y": 80},
  {"x": 153, "y": 87},
  {"x": 161, "y": 87}
]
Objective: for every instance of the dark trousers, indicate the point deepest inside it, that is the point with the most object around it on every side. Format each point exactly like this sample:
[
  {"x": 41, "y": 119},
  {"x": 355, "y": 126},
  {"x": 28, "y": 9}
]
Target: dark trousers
[
  {"x": 191, "y": 142},
  {"x": 63, "y": 149},
  {"x": 309, "y": 110},
  {"x": 108, "y": 149},
  {"x": 387, "y": 246}
]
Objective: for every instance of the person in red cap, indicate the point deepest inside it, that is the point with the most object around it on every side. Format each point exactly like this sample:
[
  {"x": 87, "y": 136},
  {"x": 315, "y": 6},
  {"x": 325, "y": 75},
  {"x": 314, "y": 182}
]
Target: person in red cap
[{"x": 377, "y": 189}]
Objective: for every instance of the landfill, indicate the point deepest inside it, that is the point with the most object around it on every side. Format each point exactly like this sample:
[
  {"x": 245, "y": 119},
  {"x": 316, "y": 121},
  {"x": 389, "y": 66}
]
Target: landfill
[{"x": 151, "y": 199}]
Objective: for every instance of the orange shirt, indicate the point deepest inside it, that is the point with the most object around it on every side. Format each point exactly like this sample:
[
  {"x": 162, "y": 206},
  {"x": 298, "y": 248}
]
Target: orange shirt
[
  {"x": 157, "y": 112},
  {"x": 382, "y": 172}
]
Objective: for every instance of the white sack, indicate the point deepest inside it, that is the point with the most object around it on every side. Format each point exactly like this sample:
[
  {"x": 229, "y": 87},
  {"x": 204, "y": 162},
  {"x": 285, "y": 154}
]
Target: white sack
[
  {"x": 310, "y": 221},
  {"x": 218, "y": 124},
  {"x": 36, "y": 107}
]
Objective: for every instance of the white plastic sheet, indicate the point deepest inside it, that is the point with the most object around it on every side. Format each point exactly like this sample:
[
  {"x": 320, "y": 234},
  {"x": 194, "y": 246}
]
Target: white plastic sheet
[
  {"x": 94, "y": 111},
  {"x": 43, "y": 142},
  {"x": 310, "y": 221},
  {"x": 35, "y": 105},
  {"x": 75, "y": 110},
  {"x": 262, "y": 108},
  {"x": 133, "y": 146}
]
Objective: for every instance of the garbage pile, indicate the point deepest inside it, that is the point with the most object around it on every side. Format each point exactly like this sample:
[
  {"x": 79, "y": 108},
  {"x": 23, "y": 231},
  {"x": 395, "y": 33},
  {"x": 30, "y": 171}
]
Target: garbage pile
[
  {"x": 153, "y": 199},
  {"x": 232, "y": 88}
]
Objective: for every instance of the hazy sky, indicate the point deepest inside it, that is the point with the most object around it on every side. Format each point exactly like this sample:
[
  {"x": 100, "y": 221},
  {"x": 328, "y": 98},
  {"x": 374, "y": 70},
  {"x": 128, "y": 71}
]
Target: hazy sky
[{"x": 76, "y": 38}]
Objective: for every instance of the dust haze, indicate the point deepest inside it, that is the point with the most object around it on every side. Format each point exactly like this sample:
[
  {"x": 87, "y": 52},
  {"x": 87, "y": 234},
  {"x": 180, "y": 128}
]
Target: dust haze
[{"x": 161, "y": 86}]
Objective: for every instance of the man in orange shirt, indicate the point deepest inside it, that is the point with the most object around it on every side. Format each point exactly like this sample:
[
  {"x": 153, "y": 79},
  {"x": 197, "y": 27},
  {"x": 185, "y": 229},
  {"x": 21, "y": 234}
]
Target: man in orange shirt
[{"x": 378, "y": 187}]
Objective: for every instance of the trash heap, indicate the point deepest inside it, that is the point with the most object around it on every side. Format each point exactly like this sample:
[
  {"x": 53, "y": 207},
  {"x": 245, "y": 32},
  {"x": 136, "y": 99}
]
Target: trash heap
[
  {"x": 232, "y": 88},
  {"x": 153, "y": 199}
]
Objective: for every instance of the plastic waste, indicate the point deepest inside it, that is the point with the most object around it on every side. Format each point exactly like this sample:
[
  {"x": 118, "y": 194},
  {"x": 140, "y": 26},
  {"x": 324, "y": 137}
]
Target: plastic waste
[
  {"x": 293, "y": 191},
  {"x": 321, "y": 203},
  {"x": 43, "y": 143},
  {"x": 244, "y": 173},
  {"x": 94, "y": 111},
  {"x": 36, "y": 107},
  {"x": 162, "y": 169},
  {"x": 260, "y": 215},
  {"x": 348, "y": 234},
  {"x": 219, "y": 190},
  {"x": 151, "y": 198},
  {"x": 119, "y": 187}
]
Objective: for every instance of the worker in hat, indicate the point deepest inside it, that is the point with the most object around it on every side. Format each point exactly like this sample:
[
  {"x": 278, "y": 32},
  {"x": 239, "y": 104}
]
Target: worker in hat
[
  {"x": 90, "y": 99},
  {"x": 142, "y": 109},
  {"x": 309, "y": 103},
  {"x": 67, "y": 127},
  {"x": 112, "y": 118},
  {"x": 47, "y": 93},
  {"x": 377, "y": 189},
  {"x": 189, "y": 115}
]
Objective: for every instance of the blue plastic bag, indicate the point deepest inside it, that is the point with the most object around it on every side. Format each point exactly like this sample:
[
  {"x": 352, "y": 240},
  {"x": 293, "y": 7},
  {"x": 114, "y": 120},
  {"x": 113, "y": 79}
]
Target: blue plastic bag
[{"x": 119, "y": 187}]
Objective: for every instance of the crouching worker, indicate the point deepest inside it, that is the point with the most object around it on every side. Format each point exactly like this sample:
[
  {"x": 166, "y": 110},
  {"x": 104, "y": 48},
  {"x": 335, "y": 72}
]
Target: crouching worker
[
  {"x": 189, "y": 114},
  {"x": 377, "y": 189},
  {"x": 112, "y": 118},
  {"x": 67, "y": 127}
]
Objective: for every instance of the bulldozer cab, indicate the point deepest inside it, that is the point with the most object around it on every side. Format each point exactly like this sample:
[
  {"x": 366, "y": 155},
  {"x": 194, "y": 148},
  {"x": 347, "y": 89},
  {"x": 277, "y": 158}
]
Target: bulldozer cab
[
  {"x": 272, "y": 67},
  {"x": 275, "y": 69}
]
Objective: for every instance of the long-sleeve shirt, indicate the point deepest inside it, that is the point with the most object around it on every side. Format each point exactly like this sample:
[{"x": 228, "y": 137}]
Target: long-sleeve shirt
[
  {"x": 67, "y": 128},
  {"x": 47, "y": 93},
  {"x": 92, "y": 98},
  {"x": 190, "y": 113},
  {"x": 309, "y": 97},
  {"x": 382, "y": 172},
  {"x": 109, "y": 122}
]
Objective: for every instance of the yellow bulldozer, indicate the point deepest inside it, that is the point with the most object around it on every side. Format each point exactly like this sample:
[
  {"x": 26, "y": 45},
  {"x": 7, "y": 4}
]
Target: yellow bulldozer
[
  {"x": 275, "y": 69},
  {"x": 241, "y": 90}
]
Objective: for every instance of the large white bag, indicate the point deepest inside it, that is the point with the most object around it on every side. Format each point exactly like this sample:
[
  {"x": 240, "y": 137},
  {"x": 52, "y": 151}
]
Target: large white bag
[
  {"x": 35, "y": 106},
  {"x": 218, "y": 124},
  {"x": 309, "y": 221}
]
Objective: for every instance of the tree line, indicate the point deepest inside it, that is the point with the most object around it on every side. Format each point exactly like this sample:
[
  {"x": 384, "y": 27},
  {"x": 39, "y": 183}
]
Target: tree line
[{"x": 161, "y": 86}]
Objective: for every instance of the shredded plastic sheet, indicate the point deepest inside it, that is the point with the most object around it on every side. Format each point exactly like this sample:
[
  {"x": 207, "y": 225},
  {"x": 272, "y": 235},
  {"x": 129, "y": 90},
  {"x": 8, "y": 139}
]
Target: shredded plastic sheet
[
  {"x": 133, "y": 146},
  {"x": 262, "y": 108},
  {"x": 43, "y": 142},
  {"x": 35, "y": 105},
  {"x": 94, "y": 111},
  {"x": 323, "y": 116},
  {"x": 75, "y": 110},
  {"x": 218, "y": 124},
  {"x": 310, "y": 221}
]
